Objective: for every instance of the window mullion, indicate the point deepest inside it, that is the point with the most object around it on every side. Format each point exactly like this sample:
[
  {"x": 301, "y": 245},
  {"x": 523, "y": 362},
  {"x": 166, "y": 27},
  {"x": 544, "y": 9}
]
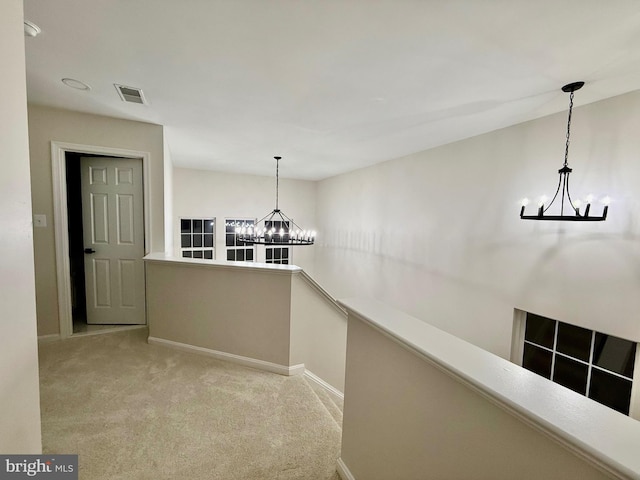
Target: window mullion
[
  {"x": 555, "y": 344},
  {"x": 593, "y": 341}
]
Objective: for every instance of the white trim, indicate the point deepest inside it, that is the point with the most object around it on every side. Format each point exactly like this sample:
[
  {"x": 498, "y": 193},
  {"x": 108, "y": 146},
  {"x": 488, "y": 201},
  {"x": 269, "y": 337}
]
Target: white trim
[
  {"x": 326, "y": 295},
  {"x": 517, "y": 336},
  {"x": 60, "y": 224},
  {"x": 230, "y": 357},
  {"x": 634, "y": 407},
  {"x": 48, "y": 338},
  {"x": 343, "y": 470},
  {"x": 330, "y": 389},
  {"x": 270, "y": 268},
  {"x": 61, "y": 221}
]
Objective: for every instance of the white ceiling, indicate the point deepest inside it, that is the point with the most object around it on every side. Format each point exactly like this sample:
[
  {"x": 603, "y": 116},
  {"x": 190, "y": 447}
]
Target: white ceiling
[{"x": 330, "y": 85}]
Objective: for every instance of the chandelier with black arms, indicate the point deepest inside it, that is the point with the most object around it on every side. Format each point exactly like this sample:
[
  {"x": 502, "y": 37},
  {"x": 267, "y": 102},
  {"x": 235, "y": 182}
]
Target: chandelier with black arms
[
  {"x": 563, "y": 185},
  {"x": 278, "y": 229}
]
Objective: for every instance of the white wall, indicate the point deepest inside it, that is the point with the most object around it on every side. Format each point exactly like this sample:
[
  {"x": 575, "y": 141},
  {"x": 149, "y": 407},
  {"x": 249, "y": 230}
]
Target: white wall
[
  {"x": 200, "y": 193},
  {"x": 48, "y": 124},
  {"x": 19, "y": 393},
  {"x": 437, "y": 234}
]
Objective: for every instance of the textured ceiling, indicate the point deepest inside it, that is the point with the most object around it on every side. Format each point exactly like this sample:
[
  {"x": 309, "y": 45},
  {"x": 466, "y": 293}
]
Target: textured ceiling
[{"x": 330, "y": 85}]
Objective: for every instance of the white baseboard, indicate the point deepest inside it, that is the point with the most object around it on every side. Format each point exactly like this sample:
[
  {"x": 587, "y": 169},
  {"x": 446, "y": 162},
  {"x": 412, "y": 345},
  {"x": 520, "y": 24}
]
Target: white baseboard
[
  {"x": 330, "y": 389},
  {"x": 49, "y": 338},
  {"x": 343, "y": 471},
  {"x": 230, "y": 357}
]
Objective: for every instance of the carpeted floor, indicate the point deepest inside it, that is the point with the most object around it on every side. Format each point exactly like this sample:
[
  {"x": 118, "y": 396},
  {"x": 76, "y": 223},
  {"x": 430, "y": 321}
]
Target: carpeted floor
[{"x": 137, "y": 411}]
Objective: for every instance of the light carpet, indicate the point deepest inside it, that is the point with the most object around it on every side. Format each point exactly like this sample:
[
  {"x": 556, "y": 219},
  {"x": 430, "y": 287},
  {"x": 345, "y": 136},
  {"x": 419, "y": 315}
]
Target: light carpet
[{"x": 138, "y": 411}]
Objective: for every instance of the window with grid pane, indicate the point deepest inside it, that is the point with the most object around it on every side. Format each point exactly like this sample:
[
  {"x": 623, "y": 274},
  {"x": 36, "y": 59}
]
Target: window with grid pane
[
  {"x": 197, "y": 237},
  {"x": 278, "y": 255},
  {"x": 591, "y": 363},
  {"x": 237, "y": 251}
]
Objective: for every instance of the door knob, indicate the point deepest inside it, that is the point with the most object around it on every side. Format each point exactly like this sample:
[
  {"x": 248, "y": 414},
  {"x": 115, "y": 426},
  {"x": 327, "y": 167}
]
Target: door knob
[{"x": 89, "y": 250}]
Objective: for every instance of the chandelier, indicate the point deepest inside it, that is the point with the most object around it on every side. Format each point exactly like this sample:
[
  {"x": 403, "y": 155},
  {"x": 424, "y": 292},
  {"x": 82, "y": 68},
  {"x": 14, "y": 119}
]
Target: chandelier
[
  {"x": 563, "y": 185},
  {"x": 278, "y": 229}
]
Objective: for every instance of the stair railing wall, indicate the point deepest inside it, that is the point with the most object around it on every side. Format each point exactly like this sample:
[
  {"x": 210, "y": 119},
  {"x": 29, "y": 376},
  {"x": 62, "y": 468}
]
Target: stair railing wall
[
  {"x": 271, "y": 317},
  {"x": 318, "y": 332},
  {"x": 235, "y": 311},
  {"x": 421, "y": 403}
]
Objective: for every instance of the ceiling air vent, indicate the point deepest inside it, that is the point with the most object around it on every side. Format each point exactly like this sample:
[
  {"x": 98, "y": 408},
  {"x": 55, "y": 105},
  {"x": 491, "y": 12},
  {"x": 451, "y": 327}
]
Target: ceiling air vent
[{"x": 130, "y": 94}]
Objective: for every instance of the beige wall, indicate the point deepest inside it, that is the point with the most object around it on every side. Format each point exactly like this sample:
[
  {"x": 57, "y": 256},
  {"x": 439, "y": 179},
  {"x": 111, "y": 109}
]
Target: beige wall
[
  {"x": 437, "y": 234},
  {"x": 272, "y": 314},
  {"x": 318, "y": 332},
  {"x": 223, "y": 308},
  {"x": 214, "y": 194},
  {"x": 47, "y": 125},
  {"x": 19, "y": 394},
  {"x": 406, "y": 419}
]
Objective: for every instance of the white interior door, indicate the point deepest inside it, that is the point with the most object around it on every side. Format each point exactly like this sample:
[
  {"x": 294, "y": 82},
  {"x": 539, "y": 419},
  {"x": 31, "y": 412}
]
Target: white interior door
[{"x": 113, "y": 228}]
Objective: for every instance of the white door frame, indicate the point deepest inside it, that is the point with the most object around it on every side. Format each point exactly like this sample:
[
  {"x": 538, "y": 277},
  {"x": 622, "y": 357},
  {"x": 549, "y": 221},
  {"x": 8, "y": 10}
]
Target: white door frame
[{"x": 61, "y": 221}]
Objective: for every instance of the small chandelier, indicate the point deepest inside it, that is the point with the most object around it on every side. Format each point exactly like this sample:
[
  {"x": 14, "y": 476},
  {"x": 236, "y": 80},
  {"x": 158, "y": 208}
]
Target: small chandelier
[
  {"x": 563, "y": 183},
  {"x": 278, "y": 229}
]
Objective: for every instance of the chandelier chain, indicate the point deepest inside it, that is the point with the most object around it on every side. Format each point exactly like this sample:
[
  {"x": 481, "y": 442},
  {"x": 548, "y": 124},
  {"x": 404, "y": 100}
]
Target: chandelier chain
[
  {"x": 277, "y": 179},
  {"x": 566, "y": 149}
]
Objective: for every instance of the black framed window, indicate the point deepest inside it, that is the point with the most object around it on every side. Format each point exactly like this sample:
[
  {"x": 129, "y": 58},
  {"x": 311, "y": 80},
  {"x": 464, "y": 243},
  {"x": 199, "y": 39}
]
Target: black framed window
[
  {"x": 594, "y": 364},
  {"x": 197, "y": 237},
  {"x": 237, "y": 251},
  {"x": 278, "y": 255}
]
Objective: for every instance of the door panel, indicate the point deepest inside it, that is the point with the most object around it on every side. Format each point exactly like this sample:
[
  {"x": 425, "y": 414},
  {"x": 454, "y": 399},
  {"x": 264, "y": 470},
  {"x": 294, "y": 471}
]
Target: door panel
[
  {"x": 113, "y": 219},
  {"x": 125, "y": 219},
  {"x": 99, "y": 218},
  {"x": 101, "y": 282},
  {"x": 98, "y": 175},
  {"x": 124, "y": 176},
  {"x": 126, "y": 269}
]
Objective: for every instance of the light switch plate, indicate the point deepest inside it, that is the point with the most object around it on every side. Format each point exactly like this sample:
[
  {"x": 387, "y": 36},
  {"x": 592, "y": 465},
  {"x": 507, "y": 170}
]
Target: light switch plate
[{"x": 39, "y": 220}]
